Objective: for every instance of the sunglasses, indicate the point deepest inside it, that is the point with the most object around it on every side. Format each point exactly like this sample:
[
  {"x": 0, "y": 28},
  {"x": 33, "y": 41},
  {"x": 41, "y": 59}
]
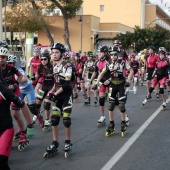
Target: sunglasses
[
  {"x": 43, "y": 59},
  {"x": 2, "y": 56},
  {"x": 113, "y": 54}
]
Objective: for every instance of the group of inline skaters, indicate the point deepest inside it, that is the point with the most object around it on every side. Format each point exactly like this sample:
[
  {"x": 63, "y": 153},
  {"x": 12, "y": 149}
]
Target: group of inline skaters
[{"x": 58, "y": 77}]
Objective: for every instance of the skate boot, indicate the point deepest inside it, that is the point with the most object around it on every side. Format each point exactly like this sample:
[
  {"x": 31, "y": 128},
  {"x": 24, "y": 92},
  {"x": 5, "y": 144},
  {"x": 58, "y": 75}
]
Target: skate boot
[
  {"x": 95, "y": 101},
  {"x": 23, "y": 142},
  {"x": 47, "y": 125},
  {"x": 123, "y": 128},
  {"x": 87, "y": 102},
  {"x": 41, "y": 121},
  {"x": 145, "y": 101},
  {"x": 79, "y": 87},
  {"x": 17, "y": 135},
  {"x": 141, "y": 83},
  {"x": 134, "y": 89},
  {"x": 164, "y": 105},
  {"x": 106, "y": 95},
  {"x": 30, "y": 131},
  {"x": 67, "y": 149},
  {"x": 34, "y": 119},
  {"x": 101, "y": 122},
  {"x": 51, "y": 150},
  {"x": 127, "y": 120},
  {"x": 75, "y": 98},
  {"x": 110, "y": 130},
  {"x": 85, "y": 96},
  {"x": 157, "y": 96}
]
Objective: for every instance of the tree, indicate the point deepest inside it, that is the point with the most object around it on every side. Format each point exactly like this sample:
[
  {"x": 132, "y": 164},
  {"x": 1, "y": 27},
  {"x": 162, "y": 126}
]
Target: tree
[
  {"x": 68, "y": 9},
  {"x": 143, "y": 38}
]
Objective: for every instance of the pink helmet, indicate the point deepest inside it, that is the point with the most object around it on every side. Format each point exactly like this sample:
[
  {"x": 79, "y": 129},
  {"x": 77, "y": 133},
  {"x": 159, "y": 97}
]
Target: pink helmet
[{"x": 72, "y": 53}]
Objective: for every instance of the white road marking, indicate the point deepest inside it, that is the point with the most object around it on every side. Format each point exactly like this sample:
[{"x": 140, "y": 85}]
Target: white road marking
[{"x": 129, "y": 143}]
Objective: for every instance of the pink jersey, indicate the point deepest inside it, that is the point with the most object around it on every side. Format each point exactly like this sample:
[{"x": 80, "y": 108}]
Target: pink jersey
[
  {"x": 35, "y": 62},
  {"x": 151, "y": 60},
  {"x": 101, "y": 65}
]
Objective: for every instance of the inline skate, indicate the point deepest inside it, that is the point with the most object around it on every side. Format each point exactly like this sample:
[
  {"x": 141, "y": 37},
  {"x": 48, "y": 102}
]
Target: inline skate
[
  {"x": 134, "y": 89},
  {"x": 157, "y": 96},
  {"x": 164, "y": 105},
  {"x": 101, "y": 122},
  {"x": 67, "y": 149},
  {"x": 145, "y": 101},
  {"x": 47, "y": 125},
  {"x": 40, "y": 121},
  {"x": 141, "y": 83},
  {"x": 75, "y": 98},
  {"x": 95, "y": 101},
  {"x": 127, "y": 120},
  {"x": 23, "y": 142},
  {"x": 123, "y": 128},
  {"x": 51, "y": 150},
  {"x": 34, "y": 119},
  {"x": 17, "y": 135},
  {"x": 110, "y": 130},
  {"x": 87, "y": 102}
]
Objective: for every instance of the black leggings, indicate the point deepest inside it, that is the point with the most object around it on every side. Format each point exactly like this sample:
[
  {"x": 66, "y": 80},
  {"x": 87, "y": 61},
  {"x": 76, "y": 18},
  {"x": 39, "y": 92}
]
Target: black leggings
[{"x": 4, "y": 163}]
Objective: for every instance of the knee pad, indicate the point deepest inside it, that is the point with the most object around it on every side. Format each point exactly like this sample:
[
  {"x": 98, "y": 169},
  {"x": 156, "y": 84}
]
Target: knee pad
[
  {"x": 135, "y": 79},
  {"x": 55, "y": 120},
  {"x": 111, "y": 104},
  {"x": 122, "y": 107},
  {"x": 33, "y": 109},
  {"x": 38, "y": 106},
  {"x": 67, "y": 122},
  {"x": 101, "y": 101},
  {"x": 151, "y": 89},
  {"x": 47, "y": 105},
  {"x": 161, "y": 90}
]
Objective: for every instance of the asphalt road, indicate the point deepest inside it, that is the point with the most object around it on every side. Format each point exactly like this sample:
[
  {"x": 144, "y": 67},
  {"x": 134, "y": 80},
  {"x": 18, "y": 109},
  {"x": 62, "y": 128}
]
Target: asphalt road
[{"x": 92, "y": 150}]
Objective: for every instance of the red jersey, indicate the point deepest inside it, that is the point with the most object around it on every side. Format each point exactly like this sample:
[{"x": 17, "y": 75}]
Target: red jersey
[
  {"x": 34, "y": 62},
  {"x": 151, "y": 60}
]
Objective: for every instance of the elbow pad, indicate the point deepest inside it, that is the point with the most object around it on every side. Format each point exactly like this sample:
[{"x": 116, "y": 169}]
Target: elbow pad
[{"x": 66, "y": 85}]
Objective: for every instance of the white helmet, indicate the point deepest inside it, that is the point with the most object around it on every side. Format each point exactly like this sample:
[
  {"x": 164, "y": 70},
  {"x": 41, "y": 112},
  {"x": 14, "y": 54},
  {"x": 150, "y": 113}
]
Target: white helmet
[
  {"x": 3, "y": 51},
  {"x": 12, "y": 59}
]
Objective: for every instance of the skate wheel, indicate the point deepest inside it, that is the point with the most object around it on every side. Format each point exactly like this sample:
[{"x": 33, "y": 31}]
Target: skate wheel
[
  {"x": 21, "y": 147},
  {"x": 122, "y": 134},
  {"x": 46, "y": 155},
  {"x": 107, "y": 134},
  {"x": 141, "y": 105},
  {"x": 67, "y": 154}
]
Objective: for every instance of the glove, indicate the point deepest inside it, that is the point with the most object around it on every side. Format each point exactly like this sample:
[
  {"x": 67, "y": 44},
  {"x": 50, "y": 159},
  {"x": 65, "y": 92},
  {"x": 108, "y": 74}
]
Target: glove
[
  {"x": 33, "y": 78},
  {"x": 50, "y": 96},
  {"x": 54, "y": 98},
  {"x": 94, "y": 87},
  {"x": 127, "y": 84}
]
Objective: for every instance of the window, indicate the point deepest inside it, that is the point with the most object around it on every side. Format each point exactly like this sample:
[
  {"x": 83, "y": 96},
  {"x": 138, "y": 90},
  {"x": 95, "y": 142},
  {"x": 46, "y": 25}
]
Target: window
[{"x": 101, "y": 8}]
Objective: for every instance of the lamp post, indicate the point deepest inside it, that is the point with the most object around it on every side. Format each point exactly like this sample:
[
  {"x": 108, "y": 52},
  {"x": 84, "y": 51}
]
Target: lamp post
[
  {"x": 8, "y": 3},
  {"x": 156, "y": 20},
  {"x": 81, "y": 23}
]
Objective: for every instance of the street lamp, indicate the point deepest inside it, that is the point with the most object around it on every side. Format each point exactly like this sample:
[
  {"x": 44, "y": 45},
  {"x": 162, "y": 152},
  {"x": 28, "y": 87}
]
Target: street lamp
[
  {"x": 81, "y": 23},
  {"x": 8, "y": 3},
  {"x": 156, "y": 20}
]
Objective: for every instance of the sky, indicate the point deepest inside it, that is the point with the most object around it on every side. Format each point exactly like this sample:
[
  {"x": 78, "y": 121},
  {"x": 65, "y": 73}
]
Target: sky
[{"x": 164, "y": 4}]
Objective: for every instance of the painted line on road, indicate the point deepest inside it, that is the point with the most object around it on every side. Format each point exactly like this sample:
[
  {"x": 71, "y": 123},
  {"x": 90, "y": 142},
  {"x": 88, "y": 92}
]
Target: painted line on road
[{"x": 129, "y": 143}]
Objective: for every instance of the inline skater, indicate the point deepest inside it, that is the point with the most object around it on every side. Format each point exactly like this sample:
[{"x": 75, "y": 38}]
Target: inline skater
[
  {"x": 45, "y": 78},
  {"x": 159, "y": 76},
  {"x": 62, "y": 98},
  {"x": 135, "y": 66},
  {"x": 34, "y": 62},
  {"x": 117, "y": 85},
  {"x": 150, "y": 62},
  {"x": 99, "y": 65},
  {"x": 78, "y": 76},
  {"x": 8, "y": 73},
  {"x": 89, "y": 68}
]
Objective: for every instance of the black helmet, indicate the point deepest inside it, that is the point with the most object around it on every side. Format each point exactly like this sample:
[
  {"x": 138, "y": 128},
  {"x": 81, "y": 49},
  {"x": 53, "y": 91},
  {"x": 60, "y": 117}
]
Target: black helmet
[
  {"x": 77, "y": 54},
  {"x": 90, "y": 54},
  {"x": 114, "y": 48},
  {"x": 3, "y": 44},
  {"x": 117, "y": 43},
  {"x": 46, "y": 54},
  {"x": 59, "y": 47},
  {"x": 103, "y": 48},
  {"x": 151, "y": 47}
]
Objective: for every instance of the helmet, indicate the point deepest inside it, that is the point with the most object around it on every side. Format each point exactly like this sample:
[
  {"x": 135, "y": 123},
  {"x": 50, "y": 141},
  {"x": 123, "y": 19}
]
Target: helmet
[
  {"x": 72, "y": 53},
  {"x": 90, "y": 54},
  {"x": 45, "y": 54},
  {"x": 12, "y": 59},
  {"x": 132, "y": 55},
  {"x": 151, "y": 47},
  {"x": 37, "y": 49},
  {"x": 77, "y": 54},
  {"x": 59, "y": 47},
  {"x": 162, "y": 50},
  {"x": 103, "y": 48},
  {"x": 3, "y": 44},
  {"x": 66, "y": 55},
  {"x": 114, "y": 48},
  {"x": 3, "y": 51},
  {"x": 117, "y": 43}
]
